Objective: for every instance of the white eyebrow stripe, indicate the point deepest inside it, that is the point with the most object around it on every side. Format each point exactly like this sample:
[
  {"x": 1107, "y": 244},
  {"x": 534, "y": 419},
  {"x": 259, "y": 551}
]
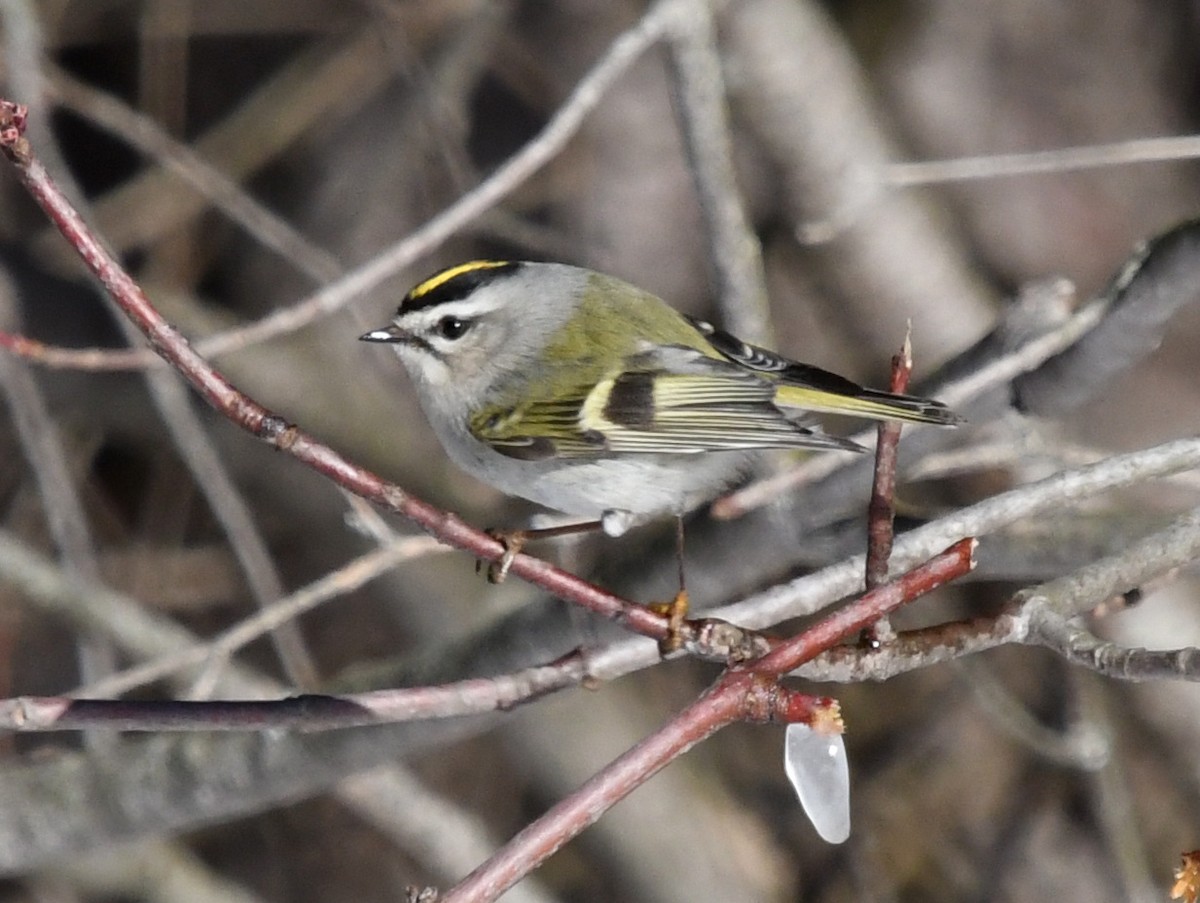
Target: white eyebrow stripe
[{"x": 466, "y": 309}]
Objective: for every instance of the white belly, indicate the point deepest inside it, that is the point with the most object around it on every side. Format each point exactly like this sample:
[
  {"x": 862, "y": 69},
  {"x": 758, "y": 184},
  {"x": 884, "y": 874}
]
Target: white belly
[{"x": 629, "y": 489}]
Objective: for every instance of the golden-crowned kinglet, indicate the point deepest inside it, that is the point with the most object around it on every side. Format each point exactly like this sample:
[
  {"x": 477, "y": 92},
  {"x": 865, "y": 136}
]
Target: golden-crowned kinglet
[{"x": 589, "y": 396}]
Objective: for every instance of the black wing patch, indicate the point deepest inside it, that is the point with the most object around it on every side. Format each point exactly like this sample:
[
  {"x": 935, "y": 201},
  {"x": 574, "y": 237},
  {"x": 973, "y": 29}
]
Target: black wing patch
[{"x": 766, "y": 361}]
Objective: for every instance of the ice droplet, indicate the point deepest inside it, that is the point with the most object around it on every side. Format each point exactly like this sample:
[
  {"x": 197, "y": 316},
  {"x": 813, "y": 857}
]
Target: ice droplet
[{"x": 817, "y": 767}]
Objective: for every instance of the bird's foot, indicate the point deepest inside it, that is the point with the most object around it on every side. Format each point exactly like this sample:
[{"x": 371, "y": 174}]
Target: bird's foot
[
  {"x": 513, "y": 542},
  {"x": 675, "y": 612}
]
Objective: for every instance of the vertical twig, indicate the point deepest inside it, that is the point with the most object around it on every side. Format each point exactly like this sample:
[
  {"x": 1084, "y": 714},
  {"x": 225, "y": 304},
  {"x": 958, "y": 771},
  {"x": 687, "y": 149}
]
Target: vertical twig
[
  {"x": 699, "y": 87},
  {"x": 881, "y": 512}
]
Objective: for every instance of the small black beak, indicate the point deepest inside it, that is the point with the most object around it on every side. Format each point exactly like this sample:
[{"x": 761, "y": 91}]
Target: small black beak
[{"x": 390, "y": 334}]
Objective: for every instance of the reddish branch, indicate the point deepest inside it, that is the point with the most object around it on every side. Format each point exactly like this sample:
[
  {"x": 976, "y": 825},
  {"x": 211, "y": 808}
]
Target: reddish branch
[
  {"x": 497, "y": 693},
  {"x": 275, "y": 430},
  {"x": 881, "y": 512},
  {"x": 748, "y": 692}
]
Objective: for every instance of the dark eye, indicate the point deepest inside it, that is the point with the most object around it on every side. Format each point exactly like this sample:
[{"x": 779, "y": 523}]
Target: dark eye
[{"x": 452, "y": 328}]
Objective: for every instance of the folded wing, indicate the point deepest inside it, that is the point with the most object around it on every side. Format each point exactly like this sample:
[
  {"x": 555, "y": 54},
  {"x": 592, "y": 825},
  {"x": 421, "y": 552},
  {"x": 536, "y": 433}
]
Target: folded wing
[{"x": 672, "y": 399}]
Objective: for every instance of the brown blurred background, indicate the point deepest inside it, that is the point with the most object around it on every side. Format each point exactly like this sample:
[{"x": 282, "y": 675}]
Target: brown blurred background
[{"x": 355, "y": 123}]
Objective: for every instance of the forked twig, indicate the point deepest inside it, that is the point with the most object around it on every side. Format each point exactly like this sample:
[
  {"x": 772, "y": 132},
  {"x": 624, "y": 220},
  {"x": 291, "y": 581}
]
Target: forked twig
[{"x": 748, "y": 692}]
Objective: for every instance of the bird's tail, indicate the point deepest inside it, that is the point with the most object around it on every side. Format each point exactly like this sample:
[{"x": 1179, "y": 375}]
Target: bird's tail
[{"x": 860, "y": 402}]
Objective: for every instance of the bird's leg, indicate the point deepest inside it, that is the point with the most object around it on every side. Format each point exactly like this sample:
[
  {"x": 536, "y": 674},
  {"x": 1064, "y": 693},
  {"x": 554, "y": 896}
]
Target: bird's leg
[
  {"x": 676, "y": 610},
  {"x": 514, "y": 541}
]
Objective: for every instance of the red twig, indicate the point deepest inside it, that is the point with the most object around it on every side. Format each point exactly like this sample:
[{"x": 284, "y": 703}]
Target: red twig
[
  {"x": 881, "y": 511},
  {"x": 748, "y": 692},
  {"x": 275, "y": 430},
  {"x": 792, "y": 653}
]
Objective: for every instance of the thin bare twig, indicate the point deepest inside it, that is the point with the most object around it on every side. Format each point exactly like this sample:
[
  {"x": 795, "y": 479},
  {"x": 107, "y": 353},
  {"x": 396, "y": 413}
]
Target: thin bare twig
[
  {"x": 622, "y": 53},
  {"x": 792, "y": 600},
  {"x": 943, "y": 567},
  {"x": 736, "y": 254},
  {"x": 1072, "y": 594},
  {"x": 468, "y": 697},
  {"x": 265, "y": 226},
  {"x": 911, "y": 650},
  {"x": 215, "y": 653},
  {"x": 1080, "y": 646},
  {"x": 1068, "y": 159},
  {"x": 812, "y": 592},
  {"x": 881, "y": 511},
  {"x": 1045, "y": 615}
]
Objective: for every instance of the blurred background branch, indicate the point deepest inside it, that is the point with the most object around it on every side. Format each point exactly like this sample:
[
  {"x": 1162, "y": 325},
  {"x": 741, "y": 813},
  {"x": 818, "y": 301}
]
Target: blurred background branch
[{"x": 277, "y": 172}]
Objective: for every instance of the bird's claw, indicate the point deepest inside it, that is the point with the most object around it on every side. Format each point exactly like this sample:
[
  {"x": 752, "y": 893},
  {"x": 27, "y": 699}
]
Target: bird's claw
[
  {"x": 675, "y": 612},
  {"x": 513, "y": 542}
]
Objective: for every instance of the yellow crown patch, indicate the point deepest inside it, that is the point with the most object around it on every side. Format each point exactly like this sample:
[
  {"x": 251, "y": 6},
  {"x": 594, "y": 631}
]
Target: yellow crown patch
[{"x": 433, "y": 282}]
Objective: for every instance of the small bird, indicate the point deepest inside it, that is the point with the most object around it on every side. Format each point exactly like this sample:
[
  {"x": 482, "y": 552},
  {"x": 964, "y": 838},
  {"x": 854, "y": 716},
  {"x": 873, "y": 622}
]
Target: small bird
[{"x": 592, "y": 397}]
